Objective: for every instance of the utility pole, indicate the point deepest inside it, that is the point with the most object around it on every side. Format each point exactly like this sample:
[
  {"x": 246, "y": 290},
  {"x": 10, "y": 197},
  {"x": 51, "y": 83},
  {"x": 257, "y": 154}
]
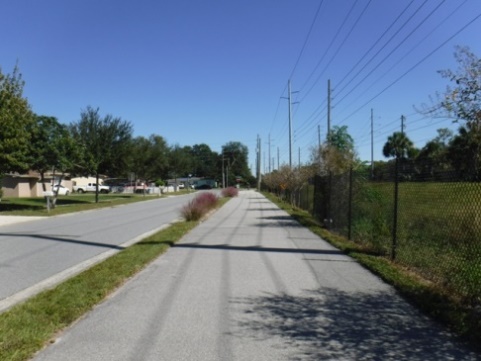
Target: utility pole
[
  {"x": 290, "y": 120},
  {"x": 328, "y": 108},
  {"x": 290, "y": 123},
  {"x": 318, "y": 155},
  {"x": 278, "y": 158},
  {"x": 319, "y": 137},
  {"x": 264, "y": 160},
  {"x": 299, "y": 158},
  {"x": 223, "y": 171},
  {"x": 269, "y": 152},
  {"x": 403, "y": 118},
  {"x": 258, "y": 163},
  {"x": 372, "y": 145}
]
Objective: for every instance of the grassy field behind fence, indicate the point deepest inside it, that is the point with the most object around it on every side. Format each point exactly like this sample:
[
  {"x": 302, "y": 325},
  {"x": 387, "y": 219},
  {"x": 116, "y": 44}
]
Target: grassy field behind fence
[
  {"x": 438, "y": 228},
  {"x": 438, "y": 231}
]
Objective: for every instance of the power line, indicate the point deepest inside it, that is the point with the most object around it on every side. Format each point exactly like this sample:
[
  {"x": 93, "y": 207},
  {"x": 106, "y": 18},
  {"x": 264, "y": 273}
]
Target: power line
[
  {"x": 307, "y": 38},
  {"x": 375, "y": 43},
  {"x": 411, "y": 50},
  {"x": 329, "y": 47},
  {"x": 393, "y": 50},
  {"x": 416, "y": 65},
  {"x": 338, "y": 48}
]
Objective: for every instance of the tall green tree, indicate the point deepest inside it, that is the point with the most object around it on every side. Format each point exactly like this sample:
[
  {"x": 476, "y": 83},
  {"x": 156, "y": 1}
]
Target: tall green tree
[
  {"x": 464, "y": 153},
  {"x": 205, "y": 161},
  {"x": 150, "y": 157},
  {"x": 398, "y": 145},
  {"x": 433, "y": 157},
  {"x": 180, "y": 161},
  {"x": 49, "y": 146},
  {"x": 337, "y": 154},
  {"x": 105, "y": 143},
  {"x": 235, "y": 156},
  {"x": 461, "y": 102},
  {"x": 15, "y": 119}
]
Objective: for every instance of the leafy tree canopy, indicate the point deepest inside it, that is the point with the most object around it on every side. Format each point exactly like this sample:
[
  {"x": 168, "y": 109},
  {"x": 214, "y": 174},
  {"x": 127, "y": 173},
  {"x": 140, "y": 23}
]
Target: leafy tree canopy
[
  {"x": 339, "y": 138},
  {"x": 235, "y": 156},
  {"x": 150, "y": 157},
  {"x": 51, "y": 145},
  {"x": 337, "y": 154},
  {"x": 205, "y": 161},
  {"x": 15, "y": 119},
  {"x": 463, "y": 100},
  {"x": 180, "y": 161},
  {"x": 104, "y": 143}
]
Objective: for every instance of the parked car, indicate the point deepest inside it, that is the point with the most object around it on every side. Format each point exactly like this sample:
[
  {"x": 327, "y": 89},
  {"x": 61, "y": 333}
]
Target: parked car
[
  {"x": 91, "y": 187},
  {"x": 61, "y": 190},
  {"x": 204, "y": 186}
]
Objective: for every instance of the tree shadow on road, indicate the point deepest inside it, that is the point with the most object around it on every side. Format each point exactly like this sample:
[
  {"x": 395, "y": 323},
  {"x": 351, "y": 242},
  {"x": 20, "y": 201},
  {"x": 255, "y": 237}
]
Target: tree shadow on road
[{"x": 329, "y": 324}]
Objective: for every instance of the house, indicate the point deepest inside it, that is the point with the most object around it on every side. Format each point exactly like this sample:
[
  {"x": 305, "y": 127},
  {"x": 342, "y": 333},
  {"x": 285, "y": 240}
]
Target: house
[{"x": 29, "y": 184}]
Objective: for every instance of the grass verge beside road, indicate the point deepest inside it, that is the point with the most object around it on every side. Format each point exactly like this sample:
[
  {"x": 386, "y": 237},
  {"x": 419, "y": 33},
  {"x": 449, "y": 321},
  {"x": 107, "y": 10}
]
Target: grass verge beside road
[
  {"x": 431, "y": 299},
  {"x": 27, "y": 327},
  {"x": 36, "y": 206}
]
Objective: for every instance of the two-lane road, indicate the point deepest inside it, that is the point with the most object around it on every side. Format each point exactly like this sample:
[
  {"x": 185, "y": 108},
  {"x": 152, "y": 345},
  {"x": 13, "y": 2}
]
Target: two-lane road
[{"x": 40, "y": 253}]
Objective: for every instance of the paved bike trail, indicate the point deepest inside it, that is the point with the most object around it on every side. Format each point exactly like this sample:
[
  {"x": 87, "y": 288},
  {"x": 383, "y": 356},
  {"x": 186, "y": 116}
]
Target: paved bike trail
[{"x": 251, "y": 284}]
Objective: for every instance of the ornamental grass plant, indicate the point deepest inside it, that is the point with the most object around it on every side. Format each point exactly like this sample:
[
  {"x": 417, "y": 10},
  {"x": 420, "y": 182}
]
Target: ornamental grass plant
[
  {"x": 199, "y": 206},
  {"x": 230, "y": 192}
]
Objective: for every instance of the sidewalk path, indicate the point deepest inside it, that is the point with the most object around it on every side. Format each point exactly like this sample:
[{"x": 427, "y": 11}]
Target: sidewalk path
[{"x": 250, "y": 284}]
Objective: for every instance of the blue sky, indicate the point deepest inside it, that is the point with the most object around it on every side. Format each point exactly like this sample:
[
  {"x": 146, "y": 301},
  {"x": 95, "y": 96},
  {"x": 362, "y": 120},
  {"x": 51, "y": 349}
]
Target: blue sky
[{"x": 216, "y": 71}]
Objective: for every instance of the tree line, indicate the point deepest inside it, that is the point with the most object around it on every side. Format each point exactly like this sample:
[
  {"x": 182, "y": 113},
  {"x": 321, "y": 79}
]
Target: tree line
[
  {"x": 449, "y": 156},
  {"x": 97, "y": 144}
]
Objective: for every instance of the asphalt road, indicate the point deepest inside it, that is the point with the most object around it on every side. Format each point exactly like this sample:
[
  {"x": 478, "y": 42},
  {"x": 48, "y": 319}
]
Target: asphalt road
[
  {"x": 42, "y": 252},
  {"x": 251, "y": 284}
]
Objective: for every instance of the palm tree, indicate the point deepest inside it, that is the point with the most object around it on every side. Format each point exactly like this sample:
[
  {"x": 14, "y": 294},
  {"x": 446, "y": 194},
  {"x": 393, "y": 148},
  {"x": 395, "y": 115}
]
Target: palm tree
[{"x": 398, "y": 145}]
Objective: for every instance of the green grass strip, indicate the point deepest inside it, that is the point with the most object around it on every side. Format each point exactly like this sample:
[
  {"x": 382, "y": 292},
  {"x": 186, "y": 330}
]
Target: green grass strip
[{"x": 36, "y": 206}]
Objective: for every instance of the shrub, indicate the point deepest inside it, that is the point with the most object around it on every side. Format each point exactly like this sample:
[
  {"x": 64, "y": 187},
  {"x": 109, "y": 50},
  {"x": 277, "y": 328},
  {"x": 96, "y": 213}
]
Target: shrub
[
  {"x": 230, "y": 192},
  {"x": 199, "y": 206}
]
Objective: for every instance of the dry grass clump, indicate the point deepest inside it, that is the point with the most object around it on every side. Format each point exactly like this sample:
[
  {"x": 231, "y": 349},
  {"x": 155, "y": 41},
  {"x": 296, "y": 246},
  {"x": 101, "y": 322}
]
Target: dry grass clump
[
  {"x": 230, "y": 192},
  {"x": 199, "y": 206}
]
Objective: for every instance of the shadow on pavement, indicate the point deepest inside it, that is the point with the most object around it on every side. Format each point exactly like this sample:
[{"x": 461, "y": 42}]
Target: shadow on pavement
[
  {"x": 62, "y": 239},
  {"x": 257, "y": 249},
  {"x": 328, "y": 324}
]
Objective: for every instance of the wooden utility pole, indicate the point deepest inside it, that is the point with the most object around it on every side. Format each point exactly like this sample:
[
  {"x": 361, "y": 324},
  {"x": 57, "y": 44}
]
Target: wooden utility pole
[
  {"x": 289, "y": 99},
  {"x": 277, "y": 157},
  {"x": 319, "y": 137},
  {"x": 290, "y": 122},
  {"x": 372, "y": 145},
  {"x": 328, "y": 108},
  {"x": 269, "y": 151},
  {"x": 299, "y": 157},
  {"x": 258, "y": 163}
]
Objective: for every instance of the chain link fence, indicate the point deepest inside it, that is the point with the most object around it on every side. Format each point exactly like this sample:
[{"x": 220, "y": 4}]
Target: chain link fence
[{"x": 427, "y": 221}]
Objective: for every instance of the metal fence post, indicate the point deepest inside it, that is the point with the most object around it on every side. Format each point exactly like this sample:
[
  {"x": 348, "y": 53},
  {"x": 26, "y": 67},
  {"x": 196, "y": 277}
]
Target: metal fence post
[
  {"x": 396, "y": 201},
  {"x": 349, "y": 211}
]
